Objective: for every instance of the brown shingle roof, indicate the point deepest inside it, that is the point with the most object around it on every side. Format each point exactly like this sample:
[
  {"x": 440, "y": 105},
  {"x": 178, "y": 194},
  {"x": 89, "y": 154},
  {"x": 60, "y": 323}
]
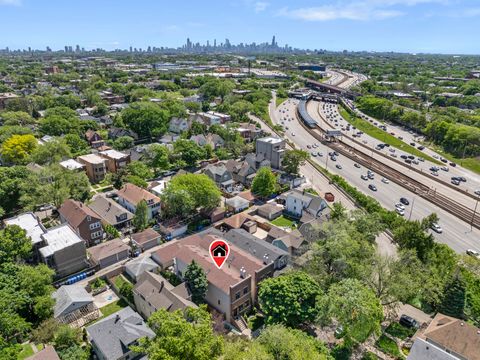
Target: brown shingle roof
[
  {"x": 145, "y": 236},
  {"x": 75, "y": 212},
  {"x": 455, "y": 335},
  {"x": 109, "y": 210},
  {"x": 48, "y": 353},
  {"x": 236, "y": 221},
  {"x": 134, "y": 194},
  {"x": 106, "y": 249}
]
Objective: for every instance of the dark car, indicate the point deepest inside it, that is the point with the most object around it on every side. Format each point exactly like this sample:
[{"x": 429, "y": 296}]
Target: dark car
[
  {"x": 404, "y": 201},
  {"x": 404, "y": 156},
  {"x": 421, "y": 147},
  {"x": 411, "y": 157},
  {"x": 453, "y": 164},
  {"x": 461, "y": 178},
  {"x": 372, "y": 187},
  {"x": 455, "y": 182},
  {"x": 409, "y": 322},
  {"x": 412, "y": 144},
  {"x": 408, "y": 161},
  {"x": 444, "y": 160}
]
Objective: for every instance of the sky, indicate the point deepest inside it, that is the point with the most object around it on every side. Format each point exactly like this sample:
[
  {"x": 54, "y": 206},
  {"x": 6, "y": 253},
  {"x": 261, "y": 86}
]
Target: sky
[{"x": 419, "y": 26}]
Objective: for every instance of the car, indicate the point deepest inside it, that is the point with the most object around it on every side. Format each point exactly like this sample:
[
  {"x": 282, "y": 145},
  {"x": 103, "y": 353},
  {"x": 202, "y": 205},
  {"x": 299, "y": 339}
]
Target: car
[
  {"x": 434, "y": 168},
  {"x": 399, "y": 206},
  {"x": 444, "y": 160},
  {"x": 400, "y": 212},
  {"x": 413, "y": 144},
  {"x": 411, "y": 157},
  {"x": 286, "y": 127},
  {"x": 404, "y": 201},
  {"x": 46, "y": 207},
  {"x": 385, "y": 181},
  {"x": 371, "y": 176},
  {"x": 409, "y": 322},
  {"x": 435, "y": 227},
  {"x": 319, "y": 154},
  {"x": 309, "y": 146},
  {"x": 372, "y": 187},
  {"x": 421, "y": 159},
  {"x": 293, "y": 134},
  {"x": 393, "y": 155},
  {"x": 434, "y": 173},
  {"x": 473, "y": 253},
  {"x": 364, "y": 177},
  {"x": 404, "y": 156},
  {"x": 477, "y": 192},
  {"x": 357, "y": 165},
  {"x": 462, "y": 179},
  {"x": 314, "y": 154},
  {"x": 453, "y": 164},
  {"x": 444, "y": 168},
  {"x": 421, "y": 147},
  {"x": 400, "y": 138},
  {"x": 408, "y": 161},
  {"x": 338, "y": 166},
  {"x": 333, "y": 158},
  {"x": 455, "y": 182}
]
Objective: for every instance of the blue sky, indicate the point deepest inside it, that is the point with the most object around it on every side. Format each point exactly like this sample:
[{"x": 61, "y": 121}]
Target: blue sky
[{"x": 440, "y": 26}]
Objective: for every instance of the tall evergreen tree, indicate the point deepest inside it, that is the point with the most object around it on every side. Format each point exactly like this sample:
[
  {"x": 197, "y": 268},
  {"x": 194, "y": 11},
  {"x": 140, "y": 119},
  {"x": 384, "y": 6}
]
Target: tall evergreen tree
[
  {"x": 140, "y": 219},
  {"x": 453, "y": 303},
  {"x": 197, "y": 281}
]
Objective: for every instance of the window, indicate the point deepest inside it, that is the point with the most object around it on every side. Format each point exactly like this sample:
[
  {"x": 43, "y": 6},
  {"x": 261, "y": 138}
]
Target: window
[
  {"x": 95, "y": 225},
  {"x": 89, "y": 218},
  {"x": 237, "y": 295},
  {"x": 218, "y": 302},
  {"x": 245, "y": 291}
]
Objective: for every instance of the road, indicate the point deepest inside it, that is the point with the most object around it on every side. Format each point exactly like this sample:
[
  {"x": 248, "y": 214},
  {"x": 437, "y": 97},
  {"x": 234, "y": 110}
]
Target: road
[{"x": 456, "y": 233}]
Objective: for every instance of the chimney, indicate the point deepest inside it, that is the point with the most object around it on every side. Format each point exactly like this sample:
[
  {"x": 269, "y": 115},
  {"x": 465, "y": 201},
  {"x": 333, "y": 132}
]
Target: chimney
[{"x": 161, "y": 286}]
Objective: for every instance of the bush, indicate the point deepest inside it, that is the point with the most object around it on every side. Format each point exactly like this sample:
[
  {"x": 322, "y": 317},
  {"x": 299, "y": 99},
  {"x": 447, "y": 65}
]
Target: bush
[
  {"x": 399, "y": 331},
  {"x": 388, "y": 346}
]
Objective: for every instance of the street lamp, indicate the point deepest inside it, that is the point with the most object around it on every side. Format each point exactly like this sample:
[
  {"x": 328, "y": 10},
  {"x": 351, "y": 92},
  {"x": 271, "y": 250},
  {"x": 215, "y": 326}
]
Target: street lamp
[
  {"x": 411, "y": 209},
  {"x": 474, "y": 214}
]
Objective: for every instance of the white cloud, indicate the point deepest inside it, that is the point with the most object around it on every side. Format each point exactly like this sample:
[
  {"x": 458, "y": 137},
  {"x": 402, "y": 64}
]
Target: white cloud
[
  {"x": 359, "y": 10},
  {"x": 11, "y": 2},
  {"x": 260, "y": 6}
]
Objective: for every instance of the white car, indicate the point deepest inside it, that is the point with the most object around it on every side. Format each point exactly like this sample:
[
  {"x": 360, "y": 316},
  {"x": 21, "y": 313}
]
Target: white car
[
  {"x": 477, "y": 192},
  {"x": 385, "y": 181},
  {"x": 400, "y": 212},
  {"x": 473, "y": 253},
  {"x": 293, "y": 134},
  {"x": 399, "y": 206},
  {"x": 435, "y": 227},
  {"x": 444, "y": 168}
]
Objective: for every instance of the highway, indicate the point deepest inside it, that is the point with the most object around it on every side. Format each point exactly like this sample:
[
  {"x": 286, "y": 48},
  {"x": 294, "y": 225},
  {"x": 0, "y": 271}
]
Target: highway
[{"x": 456, "y": 233}]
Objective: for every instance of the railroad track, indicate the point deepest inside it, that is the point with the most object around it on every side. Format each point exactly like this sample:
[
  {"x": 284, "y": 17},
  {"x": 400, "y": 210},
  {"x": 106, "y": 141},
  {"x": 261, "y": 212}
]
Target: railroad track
[{"x": 460, "y": 211}]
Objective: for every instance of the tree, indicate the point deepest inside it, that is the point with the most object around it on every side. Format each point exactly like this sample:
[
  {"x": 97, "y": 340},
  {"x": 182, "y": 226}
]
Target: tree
[
  {"x": 453, "y": 302},
  {"x": 264, "y": 183},
  {"x": 291, "y": 344},
  {"x": 354, "y": 306},
  {"x": 187, "y": 192},
  {"x": 123, "y": 143},
  {"x": 293, "y": 159},
  {"x": 77, "y": 145},
  {"x": 53, "y": 185},
  {"x": 188, "y": 151},
  {"x": 126, "y": 290},
  {"x": 66, "y": 337},
  {"x": 158, "y": 157},
  {"x": 14, "y": 244},
  {"x": 17, "y": 148},
  {"x": 56, "y": 125},
  {"x": 51, "y": 152},
  {"x": 413, "y": 235},
  {"x": 44, "y": 333},
  {"x": 20, "y": 118},
  {"x": 217, "y": 87},
  {"x": 196, "y": 281},
  {"x": 180, "y": 334},
  {"x": 11, "y": 179},
  {"x": 289, "y": 299},
  {"x": 146, "y": 119},
  {"x": 243, "y": 349},
  {"x": 339, "y": 212},
  {"x": 140, "y": 220}
]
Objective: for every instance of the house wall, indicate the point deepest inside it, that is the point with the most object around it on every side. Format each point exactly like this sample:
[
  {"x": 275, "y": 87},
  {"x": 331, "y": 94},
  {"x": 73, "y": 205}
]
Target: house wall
[
  {"x": 295, "y": 206},
  {"x": 142, "y": 306},
  {"x": 70, "y": 259},
  {"x": 244, "y": 302},
  {"x": 113, "y": 259}
]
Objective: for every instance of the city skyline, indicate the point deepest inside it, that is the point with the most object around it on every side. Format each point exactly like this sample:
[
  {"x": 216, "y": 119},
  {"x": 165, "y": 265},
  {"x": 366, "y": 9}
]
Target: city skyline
[{"x": 422, "y": 26}]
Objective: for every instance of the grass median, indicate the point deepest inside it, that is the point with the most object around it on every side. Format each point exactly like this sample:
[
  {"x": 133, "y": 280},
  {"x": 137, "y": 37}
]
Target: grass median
[{"x": 383, "y": 136}]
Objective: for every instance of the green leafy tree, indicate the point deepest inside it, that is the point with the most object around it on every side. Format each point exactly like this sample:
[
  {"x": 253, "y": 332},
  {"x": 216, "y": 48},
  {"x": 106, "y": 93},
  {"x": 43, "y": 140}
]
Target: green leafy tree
[
  {"x": 146, "y": 119},
  {"x": 453, "y": 302},
  {"x": 181, "y": 335},
  {"x": 196, "y": 281},
  {"x": 126, "y": 290},
  {"x": 293, "y": 159},
  {"x": 140, "y": 220},
  {"x": 14, "y": 244},
  {"x": 188, "y": 151},
  {"x": 51, "y": 152},
  {"x": 291, "y": 344},
  {"x": 77, "y": 145},
  {"x": 354, "y": 306},
  {"x": 10, "y": 180},
  {"x": 44, "y": 333},
  {"x": 158, "y": 157},
  {"x": 243, "y": 349},
  {"x": 17, "y": 148},
  {"x": 123, "y": 143},
  {"x": 289, "y": 299},
  {"x": 20, "y": 118},
  {"x": 264, "y": 183},
  {"x": 413, "y": 235},
  {"x": 56, "y": 125},
  {"x": 339, "y": 212}
]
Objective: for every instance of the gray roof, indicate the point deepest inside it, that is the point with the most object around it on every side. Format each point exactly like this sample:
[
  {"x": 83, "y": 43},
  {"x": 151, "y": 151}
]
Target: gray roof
[
  {"x": 423, "y": 350},
  {"x": 138, "y": 266},
  {"x": 110, "y": 211},
  {"x": 255, "y": 246},
  {"x": 69, "y": 298},
  {"x": 237, "y": 202},
  {"x": 114, "y": 334}
]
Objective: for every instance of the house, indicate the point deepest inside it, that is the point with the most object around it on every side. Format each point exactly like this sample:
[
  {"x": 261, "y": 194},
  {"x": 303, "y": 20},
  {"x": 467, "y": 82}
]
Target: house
[
  {"x": 32, "y": 226},
  {"x": 108, "y": 253},
  {"x": 48, "y": 353},
  {"x": 157, "y": 187},
  {"x": 73, "y": 302},
  {"x": 293, "y": 242},
  {"x": 270, "y": 211},
  {"x": 114, "y": 133},
  {"x": 232, "y": 290},
  {"x": 210, "y": 118},
  {"x": 111, "y": 213},
  {"x": 94, "y": 139},
  {"x": 237, "y": 204},
  {"x": 112, "y": 337},
  {"x": 220, "y": 175},
  {"x": 83, "y": 220},
  {"x": 173, "y": 228},
  {"x": 446, "y": 338},
  {"x": 64, "y": 250},
  {"x": 242, "y": 171},
  {"x": 140, "y": 265},
  {"x": 249, "y": 131},
  {"x": 73, "y": 165},
  {"x": 95, "y": 167},
  {"x": 130, "y": 195},
  {"x": 153, "y": 292},
  {"x": 237, "y": 221},
  {"x": 179, "y": 125},
  {"x": 146, "y": 239},
  {"x": 213, "y": 140},
  {"x": 297, "y": 203},
  {"x": 115, "y": 160},
  {"x": 261, "y": 249},
  {"x": 271, "y": 149},
  {"x": 247, "y": 195}
]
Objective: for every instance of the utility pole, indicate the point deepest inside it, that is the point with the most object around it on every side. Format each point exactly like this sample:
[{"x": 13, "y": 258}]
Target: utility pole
[
  {"x": 474, "y": 214},
  {"x": 411, "y": 209}
]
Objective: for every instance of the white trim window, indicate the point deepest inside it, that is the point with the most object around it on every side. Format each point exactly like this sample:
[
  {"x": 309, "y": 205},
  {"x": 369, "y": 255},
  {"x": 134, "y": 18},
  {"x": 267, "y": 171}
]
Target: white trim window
[{"x": 95, "y": 225}]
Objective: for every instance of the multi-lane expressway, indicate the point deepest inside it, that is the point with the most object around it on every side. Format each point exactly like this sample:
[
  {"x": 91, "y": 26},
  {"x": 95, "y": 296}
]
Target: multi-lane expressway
[{"x": 457, "y": 234}]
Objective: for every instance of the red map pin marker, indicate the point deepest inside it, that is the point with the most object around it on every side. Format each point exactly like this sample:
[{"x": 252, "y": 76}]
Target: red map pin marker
[{"x": 219, "y": 250}]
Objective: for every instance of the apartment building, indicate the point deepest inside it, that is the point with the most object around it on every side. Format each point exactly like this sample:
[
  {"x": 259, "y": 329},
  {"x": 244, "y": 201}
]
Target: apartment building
[
  {"x": 271, "y": 149},
  {"x": 115, "y": 160},
  {"x": 130, "y": 195},
  {"x": 95, "y": 167}
]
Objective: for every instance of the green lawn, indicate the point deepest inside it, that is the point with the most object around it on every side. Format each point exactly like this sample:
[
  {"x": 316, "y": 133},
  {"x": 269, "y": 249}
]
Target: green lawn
[
  {"x": 282, "y": 221},
  {"x": 389, "y": 347},
  {"x": 383, "y": 136},
  {"x": 280, "y": 100},
  {"x": 472, "y": 164},
  {"x": 26, "y": 351},
  {"x": 112, "y": 308},
  {"x": 399, "y": 331},
  {"x": 119, "y": 281}
]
